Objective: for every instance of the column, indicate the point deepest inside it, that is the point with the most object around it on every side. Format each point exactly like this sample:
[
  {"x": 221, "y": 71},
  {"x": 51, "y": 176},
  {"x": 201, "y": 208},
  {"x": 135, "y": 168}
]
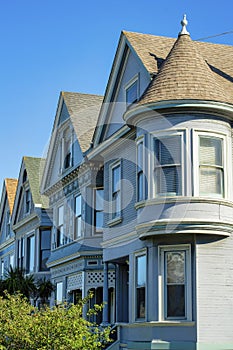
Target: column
[{"x": 105, "y": 296}]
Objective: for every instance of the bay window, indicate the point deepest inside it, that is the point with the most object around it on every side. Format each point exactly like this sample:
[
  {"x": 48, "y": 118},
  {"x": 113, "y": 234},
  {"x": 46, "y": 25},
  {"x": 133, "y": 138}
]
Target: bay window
[{"x": 167, "y": 167}]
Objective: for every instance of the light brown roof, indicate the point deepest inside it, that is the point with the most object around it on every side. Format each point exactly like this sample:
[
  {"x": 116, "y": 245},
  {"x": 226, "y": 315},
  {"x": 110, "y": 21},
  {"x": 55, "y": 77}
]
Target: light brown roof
[
  {"x": 11, "y": 186},
  {"x": 83, "y": 110},
  {"x": 185, "y": 74}
]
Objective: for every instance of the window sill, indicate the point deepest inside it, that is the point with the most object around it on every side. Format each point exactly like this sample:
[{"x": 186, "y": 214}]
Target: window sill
[
  {"x": 115, "y": 221},
  {"x": 181, "y": 323}
]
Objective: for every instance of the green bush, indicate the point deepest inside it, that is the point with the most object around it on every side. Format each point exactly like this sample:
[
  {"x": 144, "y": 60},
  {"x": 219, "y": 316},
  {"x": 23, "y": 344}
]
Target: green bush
[{"x": 23, "y": 326}]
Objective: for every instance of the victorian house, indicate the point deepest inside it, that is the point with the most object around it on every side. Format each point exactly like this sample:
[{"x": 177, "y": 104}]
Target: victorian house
[
  {"x": 74, "y": 187},
  {"x": 31, "y": 221},
  {"x": 7, "y": 241},
  {"x": 164, "y": 140}
]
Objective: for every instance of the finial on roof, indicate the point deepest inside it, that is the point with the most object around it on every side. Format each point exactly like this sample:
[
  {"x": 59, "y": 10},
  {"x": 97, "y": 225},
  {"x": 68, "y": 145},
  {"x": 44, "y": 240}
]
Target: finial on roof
[{"x": 184, "y": 23}]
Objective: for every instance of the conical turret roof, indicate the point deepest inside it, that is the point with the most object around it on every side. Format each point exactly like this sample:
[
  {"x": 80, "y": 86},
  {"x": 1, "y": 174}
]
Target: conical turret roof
[{"x": 185, "y": 75}]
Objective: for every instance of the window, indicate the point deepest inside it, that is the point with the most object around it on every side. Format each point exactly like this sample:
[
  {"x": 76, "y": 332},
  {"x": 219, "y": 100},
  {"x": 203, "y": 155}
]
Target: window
[
  {"x": 141, "y": 286},
  {"x": 59, "y": 292},
  {"x": 167, "y": 169},
  {"x": 27, "y": 201},
  {"x": 31, "y": 254},
  {"x": 176, "y": 282},
  {"x": 21, "y": 253},
  {"x": 60, "y": 226},
  {"x": 45, "y": 241},
  {"x": 12, "y": 260},
  {"x": 211, "y": 172},
  {"x": 67, "y": 149},
  {"x": 132, "y": 92},
  {"x": 8, "y": 223},
  {"x": 78, "y": 216},
  {"x": 98, "y": 209},
  {"x": 116, "y": 191},
  {"x": 140, "y": 168},
  {"x": 2, "y": 269}
]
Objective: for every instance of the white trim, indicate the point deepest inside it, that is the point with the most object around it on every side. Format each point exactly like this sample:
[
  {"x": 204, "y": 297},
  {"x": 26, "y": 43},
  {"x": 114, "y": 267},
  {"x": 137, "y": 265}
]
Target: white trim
[
  {"x": 183, "y": 163},
  {"x": 112, "y": 166},
  {"x": 188, "y": 284},
  {"x": 225, "y": 156}
]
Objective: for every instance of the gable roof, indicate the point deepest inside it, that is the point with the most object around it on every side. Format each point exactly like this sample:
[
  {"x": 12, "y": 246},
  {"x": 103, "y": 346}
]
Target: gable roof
[
  {"x": 34, "y": 167},
  {"x": 11, "y": 186},
  {"x": 83, "y": 110},
  {"x": 192, "y": 69}
]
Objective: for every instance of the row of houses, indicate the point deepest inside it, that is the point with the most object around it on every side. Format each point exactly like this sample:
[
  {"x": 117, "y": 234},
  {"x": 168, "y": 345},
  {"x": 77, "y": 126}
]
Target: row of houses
[{"x": 134, "y": 200}]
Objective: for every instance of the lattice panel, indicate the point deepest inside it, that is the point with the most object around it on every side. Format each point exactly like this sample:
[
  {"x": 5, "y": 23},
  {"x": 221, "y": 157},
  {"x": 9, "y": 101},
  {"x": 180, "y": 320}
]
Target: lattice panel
[
  {"x": 96, "y": 278},
  {"x": 74, "y": 282}
]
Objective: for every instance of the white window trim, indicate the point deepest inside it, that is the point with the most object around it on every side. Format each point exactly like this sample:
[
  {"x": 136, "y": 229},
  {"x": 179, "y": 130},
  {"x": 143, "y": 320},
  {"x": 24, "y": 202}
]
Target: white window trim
[
  {"x": 117, "y": 219},
  {"x": 161, "y": 282},
  {"x": 225, "y": 152},
  {"x": 80, "y": 234},
  {"x": 136, "y": 255},
  {"x": 160, "y": 135},
  {"x": 141, "y": 139},
  {"x": 129, "y": 84}
]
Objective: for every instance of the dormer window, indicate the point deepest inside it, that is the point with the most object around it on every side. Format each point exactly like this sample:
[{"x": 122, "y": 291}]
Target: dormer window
[{"x": 131, "y": 91}]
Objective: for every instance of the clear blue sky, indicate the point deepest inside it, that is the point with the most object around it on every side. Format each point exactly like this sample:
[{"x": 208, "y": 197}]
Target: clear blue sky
[{"x": 52, "y": 45}]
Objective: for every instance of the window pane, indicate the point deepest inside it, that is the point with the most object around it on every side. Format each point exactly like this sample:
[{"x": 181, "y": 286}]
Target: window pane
[
  {"x": 140, "y": 186},
  {"x": 78, "y": 226},
  {"x": 175, "y": 267},
  {"x": 140, "y": 155},
  {"x": 210, "y": 151},
  {"x": 141, "y": 270},
  {"x": 60, "y": 215},
  {"x": 176, "y": 301},
  {"x": 116, "y": 204},
  {"x": 168, "y": 150},
  {"x": 99, "y": 220},
  {"x": 59, "y": 292},
  {"x": 141, "y": 302},
  {"x": 45, "y": 237},
  {"x": 31, "y": 248},
  {"x": 43, "y": 259},
  {"x": 116, "y": 179},
  {"x": 99, "y": 197},
  {"x": 211, "y": 181},
  {"x": 168, "y": 180},
  {"x": 132, "y": 93},
  {"x": 78, "y": 205}
]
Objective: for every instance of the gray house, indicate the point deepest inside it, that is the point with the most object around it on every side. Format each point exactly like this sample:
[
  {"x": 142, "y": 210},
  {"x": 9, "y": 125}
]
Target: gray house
[
  {"x": 31, "y": 221},
  {"x": 7, "y": 237},
  {"x": 164, "y": 140},
  {"x": 75, "y": 190}
]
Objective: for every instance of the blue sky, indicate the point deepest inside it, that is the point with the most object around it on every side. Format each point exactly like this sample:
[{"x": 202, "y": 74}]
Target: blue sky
[{"x": 53, "y": 45}]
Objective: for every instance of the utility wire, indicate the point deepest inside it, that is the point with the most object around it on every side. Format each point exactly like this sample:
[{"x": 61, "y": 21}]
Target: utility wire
[{"x": 214, "y": 36}]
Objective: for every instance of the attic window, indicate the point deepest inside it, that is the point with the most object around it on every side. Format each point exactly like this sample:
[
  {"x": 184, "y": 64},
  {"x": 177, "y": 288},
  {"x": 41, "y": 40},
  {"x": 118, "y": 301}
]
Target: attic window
[
  {"x": 66, "y": 149},
  {"x": 25, "y": 176},
  {"x": 132, "y": 91}
]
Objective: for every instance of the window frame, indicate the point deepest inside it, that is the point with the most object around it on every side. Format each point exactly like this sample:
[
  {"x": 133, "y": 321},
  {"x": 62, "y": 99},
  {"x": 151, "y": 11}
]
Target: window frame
[
  {"x": 60, "y": 233},
  {"x": 137, "y": 255},
  {"x": 115, "y": 215},
  {"x": 61, "y": 292},
  {"x": 28, "y": 200},
  {"x": 196, "y": 162},
  {"x": 162, "y": 250},
  {"x": 128, "y": 86},
  {"x": 78, "y": 217},
  {"x": 31, "y": 254},
  {"x": 96, "y": 211},
  {"x": 160, "y": 136}
]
